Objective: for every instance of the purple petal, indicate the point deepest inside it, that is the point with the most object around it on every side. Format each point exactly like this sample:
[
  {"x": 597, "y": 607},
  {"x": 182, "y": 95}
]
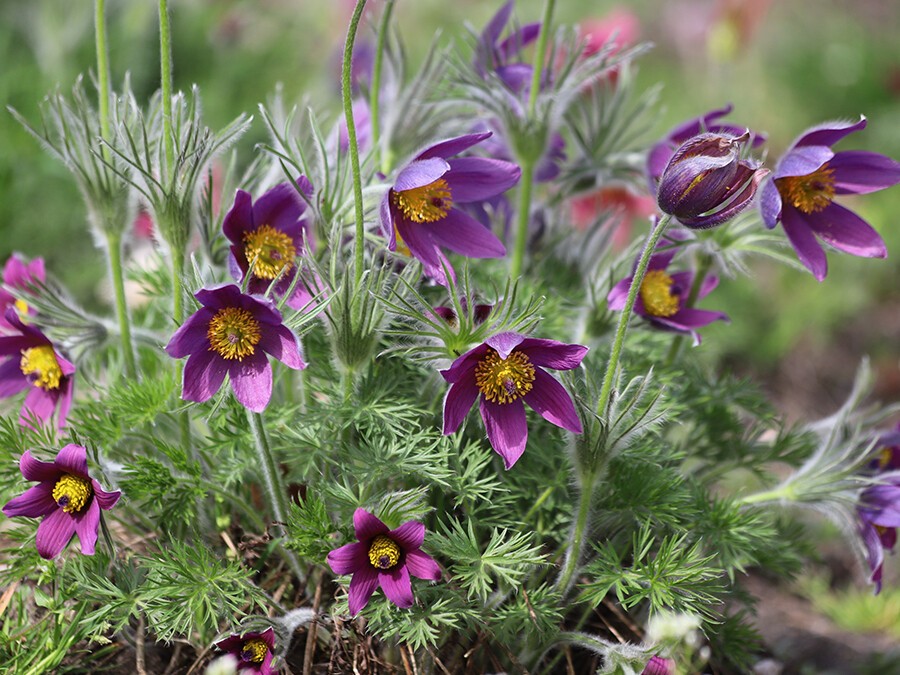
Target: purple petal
[
  {"x": 251, "y": 381},
  {"x": 14, "y": 344},
  {"x": 829, "y": 133},
  {"x": 362, "y": 585},
  {"x": 65, "y": 400},
  {"x": 268, "y": 636},
  {"x": 618, "y": 295},
  {"x": 552, "y": 354},
  {"x": 846, "y": 231},
  {"x": 859, "y": 172},
  {"x": 518, "y": 40},
  {"x": 35, "y": 502},
  {"x": 688, "y": 318},
  {"x": 454, "y": 146},
  {"x": 221, "y": 296},
  {"x": 387, "y": 221},
  {"x": 348, "y": 558},
  {"x": 397, "y": 587},
  {"x": 280, "y": 342},
  {"x": 86, "y": 526},
  {"x": 504, "y": 343},
  {"x": 874, "y": 552},
  {"x": 551, "y": 401},
  {"x": 73, "y": 459},
  {"x": 494, "y": 28},
  {"x": 421, "y": 173},
  {"x": 281, "y": 208},
  {"x": 460, "y": 399},
  {"x": 105, "y": 499},
  {"x": 803, "y": 161},
  {"x": 462, "y": 234},
  {"x": 770, "y": 204},
  {"x": 697, "y": 125},
  {"x": 191, "y": 337},
  {"x": 809, "y": 251},
  {"x": 239, "y": 218},
  {"x": 35, "y": 469},
  {"x": 40, "y": 404},
  {"x": 204, "y": 373},
  {"x": 475, "y": 179},
  {"x": 367, "y": 525},
  {"x": 516, "y": 76},
  {"x": 507, "y": 429},
  {"x": 12, "y": 380},
  {"x": 459, "y": 369},
  {"x": 422, "y": 565},
  {"x": 54, "y": 533},
  {"x": 418, "y": 241},
  {"x": 409, "y": 535}
]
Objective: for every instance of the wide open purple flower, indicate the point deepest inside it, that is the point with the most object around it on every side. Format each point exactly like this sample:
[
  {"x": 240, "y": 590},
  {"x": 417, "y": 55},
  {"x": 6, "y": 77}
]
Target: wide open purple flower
[
  {"x": 33, "y": 363},
  {"x": 18, "y": 274},
  {"x": 419, "y": 212},
  {"x": 662, "y": 298},
  {"x": 268, "y": 235},
  {"x": 66, "y": 497},
  {"x": 879, "y": 515},
  {"x": 383, "y": 557},
  {"x": 801, "y": 191},
  {"x": 253, "y": 651},
  {"x": 493, "y": 54},
  {"x": 232, "y": 334},
  {"x": 505, "y": 370}
]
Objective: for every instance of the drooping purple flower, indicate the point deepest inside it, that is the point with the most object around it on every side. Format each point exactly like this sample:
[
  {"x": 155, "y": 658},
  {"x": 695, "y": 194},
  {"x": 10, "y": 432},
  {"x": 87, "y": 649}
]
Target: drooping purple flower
[
  {"x": 659, "y": 666},
  {"x": 17, "y": 273},
  {"x": 66, "y": 497},
  {"x": 505, "y": 370},
  {"x": 233, "y": 334},
  {"x": 253, "y": 651},
  {"x": 419, "y": 214},
  {"x": 879, "y": 516},
  {"x": 662, "y": 298},
  {"x": 888, "y": 455},
  {"x": 800, "y": 195},
  {"x": 267, "y": 235},
  {"x": 706, "y": 182},
  {"x": 383, "y": 557},
  {"x": 33, "y": 363},
  {"x": 500, "y": 56}
]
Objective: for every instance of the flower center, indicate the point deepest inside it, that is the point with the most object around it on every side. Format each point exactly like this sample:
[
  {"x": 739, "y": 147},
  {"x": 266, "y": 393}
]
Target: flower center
[
  {"x": 270, "y": 251},
  {"x": 383, "y": 553},
  {"x": 254, "y": 650},
  {"x": 233, "y": 333},
  {"x": 401, "y": 245},
  {"x": 504, "y": 380},
  {"x": 41, "y": 364},
  {"x": 22, "y": 306},
  {"x": 885, "y": 457},
  {"x": 810, "y": 193},
  {"x": 656, "y": 294},
  {"x": 72, "y": 493},
  {"x": 425, "y": 204}
]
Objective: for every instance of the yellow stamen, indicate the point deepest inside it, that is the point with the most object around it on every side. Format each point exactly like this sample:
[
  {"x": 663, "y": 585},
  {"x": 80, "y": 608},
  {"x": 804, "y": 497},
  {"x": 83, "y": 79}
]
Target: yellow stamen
[
  {"x": 270, "y": 251},
  {"x": 425, "y": 204},
  {"x": 504, "y": 380},
  {"x": 401, "y": 245},
  {"x": 22, "y": 306},
  {"x": 254, "y": 650},
  {"x": 383, "y": 553},
  {"x": 884, "y": 457},
  {"x": 72, "y": 493},
  {"x": 656, "y": 294},
  {"x": 42, "y": 363},
  {"x": 233, "y": 333},
  {"x": 810, "y": 193}
]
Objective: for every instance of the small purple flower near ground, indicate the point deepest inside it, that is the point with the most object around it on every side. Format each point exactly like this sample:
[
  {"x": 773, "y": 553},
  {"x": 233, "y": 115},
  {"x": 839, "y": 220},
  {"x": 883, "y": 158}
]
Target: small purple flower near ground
[
  {"x": 419, "y": 214},
  {"x": 505, "y": 370},
  {"x": 66, "y": 497},
  {"x": 232, "y": 334},
  {"x": 659, "y": 666},
  {"x": 252, "y": 650},
  {"x": 879, "y": 515},
  {"x": 18, "y": 274},
  {"x": 662, "y": 298},
  {"x": 383, "y": 557},
  {"x": 33, "y": 363},
  {"x": 801, "y": 191}
]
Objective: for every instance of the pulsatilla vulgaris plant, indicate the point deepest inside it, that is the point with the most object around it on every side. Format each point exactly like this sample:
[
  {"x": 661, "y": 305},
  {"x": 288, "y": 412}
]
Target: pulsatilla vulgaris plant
[{"x": 309, "y": 488}]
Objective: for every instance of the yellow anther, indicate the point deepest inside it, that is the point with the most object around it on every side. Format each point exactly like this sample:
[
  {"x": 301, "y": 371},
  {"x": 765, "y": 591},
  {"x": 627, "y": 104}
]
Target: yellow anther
[
  {"x": 43, "y": 364},
  {"x": 233, "y": 333},
  {"x": 72, "y": 493},
  {"x": 656, "y": 294},
  {"x": 504, "y": 380},
  {"x": 383, "y": 552},
  {"x": 810, "y": 193},
  {"x": 254, "y": 650},
  {"x": 425, "y": 204},
  {"x": 270, "y": 251}
]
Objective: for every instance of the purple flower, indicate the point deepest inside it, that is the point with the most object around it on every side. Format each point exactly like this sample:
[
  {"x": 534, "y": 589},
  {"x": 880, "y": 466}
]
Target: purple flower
[
  {"x": 506, "y": 370},
  {"x": 66, "y": 497},
  {"x": 495, "y": 55},
  {"x": 662, "y": 298},
  {"x": 706, "y": 182},
  {"x": 419, "y": 214},
  {"x": 385, "y": 558},
  {"x": 33, "y": 363},
  {"x": 800, "y": 195},
  {"x": 888, "y": 458},
  {"x": 879, "y": 515},
  {"x": 18, "y": 274},
  {"x": 252, "y": 650},
  {"x": 267, "y": 235},
  {"x": 480, "y": 313},
  {"x": 659, "y": 666},
  {"x": 232, "y": 334}
]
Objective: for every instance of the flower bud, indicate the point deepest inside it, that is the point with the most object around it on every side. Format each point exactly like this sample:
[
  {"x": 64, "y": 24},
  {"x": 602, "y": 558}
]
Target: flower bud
[{"x": 706, "y": 182}]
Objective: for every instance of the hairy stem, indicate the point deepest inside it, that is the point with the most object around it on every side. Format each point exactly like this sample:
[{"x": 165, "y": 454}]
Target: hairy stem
[
  {"x": 374, "y": 103},
  {"x": 576, "y": 541},
  {"x": 165, "y": 72},
  {"x": 114, "y": 250},
  {"x": 346, "y": 93},
  {"x": 526, "y": 186},
  {"x": 102, "y": 73},
  {"x": 539, "y": 56}
]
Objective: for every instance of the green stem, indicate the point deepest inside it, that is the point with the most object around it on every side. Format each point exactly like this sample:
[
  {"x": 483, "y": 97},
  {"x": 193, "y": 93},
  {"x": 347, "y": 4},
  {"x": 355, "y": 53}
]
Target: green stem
[
  {"x": 114, "y": 249},
  {"x": 165, "y": 70},
  {"x": 374, "y": 103},
  {"x": 525, "y": 188},
  {"x": 102, "y": 73},
  {"x": 359, "y": 243},
  {"x": 781, "y": 493},
  {"x": 576, "y": 543},
  {"x": 699, "y": 277},
  {"x": 539, "y": 55}
]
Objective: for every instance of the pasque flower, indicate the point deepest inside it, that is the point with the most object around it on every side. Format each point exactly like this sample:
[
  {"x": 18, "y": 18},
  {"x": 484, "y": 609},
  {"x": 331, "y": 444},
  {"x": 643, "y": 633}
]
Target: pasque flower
[
  {"x": 66, "y": 497},
  {"x": 659, "y": 666},
  {"x": 879, "y": 516},
  {"x": 17, "y": 273},
  {"x": 33, "y": 363},
  {"x": 506, "y": 370},
  {"x": 493, "y": 54},
  {"x": 232, "y": 334},
  {"x": 706, "y": 182},
  {"x": 253, "y": 651},
  {"x": 383, "y": 557},
  {"x": 419, "y": 214},
  {"x": 800, "y": 195}
]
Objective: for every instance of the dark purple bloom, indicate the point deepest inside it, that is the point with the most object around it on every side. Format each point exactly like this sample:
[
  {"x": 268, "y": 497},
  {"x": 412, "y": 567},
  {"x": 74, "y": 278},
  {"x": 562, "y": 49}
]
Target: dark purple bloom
[
  {"x": 662, "y": 298},
  {"x": 33, "y": 363},
  {"x": 879, "y": 515},
  {"x": 888, "y": 457},
  {"x": 268, "y": 235},
  {"x": 18, "y": 274},
  {"x": 480, "y": 313},
  {"x": 252, "y": 650},
  {"x": 801, "y": 191},
  {"x": 506, "y": 370},
  {"x": 419, "y": 212},
  {"x": 659, "y": 666},
  {"x": 383, "y": 557},
  {"x": 493, "y": 54},
  {"x": 706, "y": 182},
  {"x": 232, "y": 334},
  {"x": 66, "y": 497}
]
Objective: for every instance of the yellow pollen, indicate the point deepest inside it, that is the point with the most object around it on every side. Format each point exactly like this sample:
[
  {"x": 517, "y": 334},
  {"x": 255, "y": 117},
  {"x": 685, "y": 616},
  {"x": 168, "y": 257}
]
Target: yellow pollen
[
  {"x": 884, "y": 457},
  {"x": 233, "y": 333},
  {"x": 504, "y": 380},
  {"x": 656, "y": 294},
  {"x": 401, "y": 245},
  {"x": 425, "y": 204},
  {"x": 383, "y": 553},
  {"x": 41, "y": 362},
  {"x": 882, "y": 530},
  {"x": 72, "y": 493},
  {"x": 22, "y": 306},
  {"x": 270, "y": 251},
  {"x": 810, "y": 193},
  {"x": 254, "y": 650}
]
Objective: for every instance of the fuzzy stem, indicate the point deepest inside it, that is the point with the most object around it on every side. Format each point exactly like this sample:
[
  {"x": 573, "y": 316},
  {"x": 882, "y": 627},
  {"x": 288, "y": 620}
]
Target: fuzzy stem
[
  {"x": 781, "y": 493},
  {"x": 114, "y": 250},
  {"x": 526, "y": 184},
  {"x": 346, "y": 93},
  {"x": 538, "y": 68},
  {"x": 576, "y": 541},
  {"x": 699, "y": 277},
  {"x": 102, "y": 73},
  {"x": 374, "y": 103},
  {"x": 165, "y": 71}
]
